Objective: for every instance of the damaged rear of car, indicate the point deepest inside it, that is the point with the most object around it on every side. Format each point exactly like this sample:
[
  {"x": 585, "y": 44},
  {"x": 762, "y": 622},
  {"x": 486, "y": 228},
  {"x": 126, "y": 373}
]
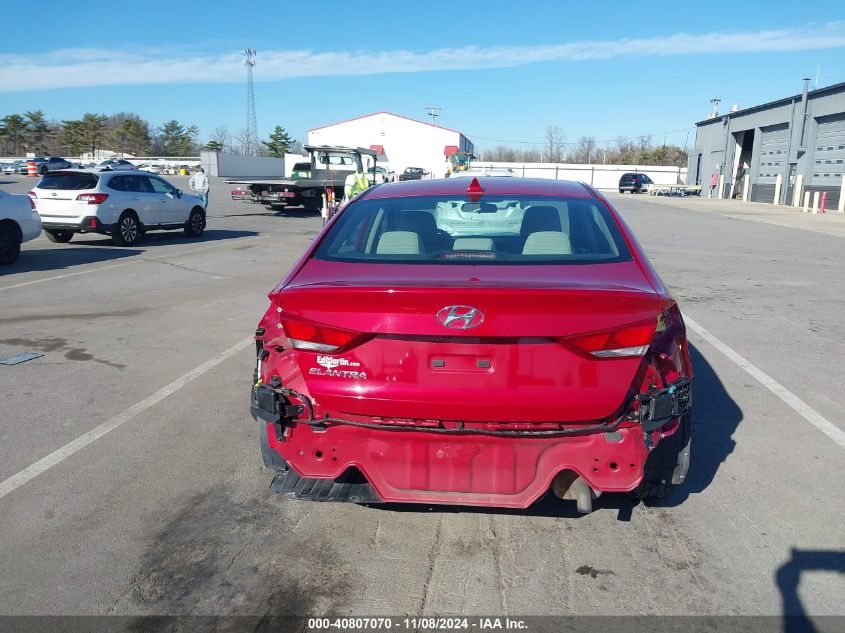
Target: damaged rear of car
[{"x": 474, "y": 343}]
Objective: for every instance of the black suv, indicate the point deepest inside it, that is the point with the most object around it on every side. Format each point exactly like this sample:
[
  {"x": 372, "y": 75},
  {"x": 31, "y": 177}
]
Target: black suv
[{"x": 635, "y": 183}]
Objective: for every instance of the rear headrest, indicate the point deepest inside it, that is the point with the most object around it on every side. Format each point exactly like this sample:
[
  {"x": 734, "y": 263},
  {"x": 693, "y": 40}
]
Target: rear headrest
[
  {"x": 398, "y": 243},
  {"x": 418, "y": 221},
  {"x": 547, "y": 243},
  {"x": 541, "y": 218}
]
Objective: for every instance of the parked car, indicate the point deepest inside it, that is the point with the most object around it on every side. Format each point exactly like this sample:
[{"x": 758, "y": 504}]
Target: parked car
[
  {"x": 473, "y": 342},
  {"x": 301, "y": 171},
  {"x": 43, "y": 164},
  {"x": 634, "y": 183},
  {"x": 381, "y": 175},
  {"x": 19, "y": 222},
  {"x": 413, "y": 173},
  {"x": 152, "y": 168},
  {"x": 116, "y": 163},
  {"x": 14, "y": 167},
  {"x": 121, "y": 203}
]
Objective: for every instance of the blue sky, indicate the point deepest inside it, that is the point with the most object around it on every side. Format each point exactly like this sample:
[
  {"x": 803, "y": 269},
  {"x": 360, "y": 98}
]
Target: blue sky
[{"x": 499, "y": 70}]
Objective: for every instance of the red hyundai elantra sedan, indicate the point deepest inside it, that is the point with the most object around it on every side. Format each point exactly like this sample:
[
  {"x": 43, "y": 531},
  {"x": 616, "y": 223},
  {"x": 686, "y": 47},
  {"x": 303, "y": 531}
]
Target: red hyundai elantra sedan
[{"x": 473, "y": 341}]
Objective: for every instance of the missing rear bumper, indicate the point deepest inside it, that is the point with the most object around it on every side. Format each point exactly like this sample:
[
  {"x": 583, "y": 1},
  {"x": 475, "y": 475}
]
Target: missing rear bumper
[{"x": 350, "y": 486}]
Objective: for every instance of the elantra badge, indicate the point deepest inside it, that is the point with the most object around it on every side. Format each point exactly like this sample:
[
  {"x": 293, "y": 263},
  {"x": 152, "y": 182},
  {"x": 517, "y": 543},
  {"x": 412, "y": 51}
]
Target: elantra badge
[{"x": 460, "y": 317}]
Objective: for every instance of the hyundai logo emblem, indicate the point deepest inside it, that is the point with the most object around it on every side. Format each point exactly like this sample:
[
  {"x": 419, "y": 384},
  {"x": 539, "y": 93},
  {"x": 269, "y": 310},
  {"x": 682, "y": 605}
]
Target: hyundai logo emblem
[{"x": 460, "y": 317}]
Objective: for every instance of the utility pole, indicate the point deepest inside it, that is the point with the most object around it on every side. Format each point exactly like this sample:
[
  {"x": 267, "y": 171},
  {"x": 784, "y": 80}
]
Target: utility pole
[
  {"x": 433, "y": 112},
  {"x": 251, "y": 126}
]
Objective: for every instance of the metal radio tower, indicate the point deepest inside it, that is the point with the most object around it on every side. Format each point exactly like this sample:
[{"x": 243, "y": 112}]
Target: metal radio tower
[{"x": 251, "y": 126}]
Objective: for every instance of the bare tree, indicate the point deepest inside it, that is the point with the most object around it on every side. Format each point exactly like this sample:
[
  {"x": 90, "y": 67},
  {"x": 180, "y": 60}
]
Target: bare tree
[
  {"x": 242, "y": 141},
  {"x": 584, "y": 151},
  {"x": 221, "y": 135},
  {"x": 555, "y": 140}
]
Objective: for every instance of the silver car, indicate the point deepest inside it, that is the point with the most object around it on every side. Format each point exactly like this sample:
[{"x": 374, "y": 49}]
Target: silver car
[
  {"x": 124, "y": 204},
  {"x": 116, "y": 163}
]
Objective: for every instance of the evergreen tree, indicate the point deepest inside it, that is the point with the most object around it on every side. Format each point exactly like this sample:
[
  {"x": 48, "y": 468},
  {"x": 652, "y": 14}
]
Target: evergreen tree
[{"x": 279, "y": 144}]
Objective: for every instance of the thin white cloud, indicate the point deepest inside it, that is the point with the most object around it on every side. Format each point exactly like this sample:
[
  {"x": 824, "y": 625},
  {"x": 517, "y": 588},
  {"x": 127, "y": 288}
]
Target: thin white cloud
[{"x": 75, "y": 68}]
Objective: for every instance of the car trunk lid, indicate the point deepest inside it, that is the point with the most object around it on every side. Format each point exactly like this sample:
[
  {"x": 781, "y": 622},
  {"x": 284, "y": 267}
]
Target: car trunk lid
[{"x": 511, "y": 363}]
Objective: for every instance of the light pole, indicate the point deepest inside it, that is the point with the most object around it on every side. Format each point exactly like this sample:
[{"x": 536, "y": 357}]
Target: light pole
[{"x": 433, "y": 112}]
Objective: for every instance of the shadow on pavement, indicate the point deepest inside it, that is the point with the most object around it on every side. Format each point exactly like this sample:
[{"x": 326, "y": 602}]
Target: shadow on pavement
[
  {"x": 63, "y": 257},
  {"x": 715, "y": 418},
  {"x": 788, "y": 578},
  {"x": 166, "y": 238},
  {"x": 81, "y": 250}
]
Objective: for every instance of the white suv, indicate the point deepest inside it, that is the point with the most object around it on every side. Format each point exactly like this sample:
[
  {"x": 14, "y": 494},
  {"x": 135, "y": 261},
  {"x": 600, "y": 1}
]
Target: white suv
[
  {"x": 124, "y": 204},
  {"x": 19, "y": 222}
]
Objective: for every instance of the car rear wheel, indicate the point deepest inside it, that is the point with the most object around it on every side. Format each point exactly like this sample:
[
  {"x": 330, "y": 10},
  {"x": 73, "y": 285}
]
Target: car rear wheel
[
  {"x": 44, "y": 170},
  {"x": 666, "y": 466},
  {"x": 127, "y": 230},
  {"x": 196, "y": 223},
  {"x": 59, "y": 237},
  {"x": 10, "y": 245}
]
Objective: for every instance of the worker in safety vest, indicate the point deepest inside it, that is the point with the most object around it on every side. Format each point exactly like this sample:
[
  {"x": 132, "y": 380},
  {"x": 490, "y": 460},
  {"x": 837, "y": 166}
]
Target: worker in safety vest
[{"x": 354, "y": 184}]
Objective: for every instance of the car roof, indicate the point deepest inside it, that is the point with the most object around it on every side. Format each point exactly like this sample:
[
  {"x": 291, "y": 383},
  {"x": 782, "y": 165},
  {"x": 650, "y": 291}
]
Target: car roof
[
  {"x": 491, "y": 185},
  {"x": 102, "y": 172}
]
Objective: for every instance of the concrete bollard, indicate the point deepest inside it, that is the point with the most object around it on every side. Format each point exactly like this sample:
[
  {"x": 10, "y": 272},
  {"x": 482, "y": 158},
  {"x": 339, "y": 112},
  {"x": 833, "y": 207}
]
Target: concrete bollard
[
  {"x": 746, "y": 187},
  {"x": 796, "y": 195},
  {"x": 806, "y": 201},
  {"x": 841, "y": 207},
  {"x": 720, "y": 194},
  {"x": 815, "y": 202},
  {"x": 778, "y": 185}
]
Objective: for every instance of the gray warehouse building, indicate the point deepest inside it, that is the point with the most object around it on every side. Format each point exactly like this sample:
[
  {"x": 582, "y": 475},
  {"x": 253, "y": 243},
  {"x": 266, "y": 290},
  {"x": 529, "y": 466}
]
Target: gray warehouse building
[{"x": 789, "y": 146}]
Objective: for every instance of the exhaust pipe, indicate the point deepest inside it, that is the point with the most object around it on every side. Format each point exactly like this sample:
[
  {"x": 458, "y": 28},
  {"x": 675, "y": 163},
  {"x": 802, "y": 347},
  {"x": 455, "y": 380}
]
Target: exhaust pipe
[{"x": 568, "y": 485}]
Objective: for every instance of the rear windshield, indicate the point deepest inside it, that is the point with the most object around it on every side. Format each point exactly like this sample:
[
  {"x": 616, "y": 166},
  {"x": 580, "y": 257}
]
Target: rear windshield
[
  {"x": 495, "y": 230},
  {"x": 71, "y": 182}
]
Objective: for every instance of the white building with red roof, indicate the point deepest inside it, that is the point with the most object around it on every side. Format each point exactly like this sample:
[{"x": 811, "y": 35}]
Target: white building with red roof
[{"x": 401, "y": 141}]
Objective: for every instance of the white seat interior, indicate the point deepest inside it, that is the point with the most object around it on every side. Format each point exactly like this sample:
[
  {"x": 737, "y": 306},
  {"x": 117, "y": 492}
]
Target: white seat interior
[
  {"x": 473, "y": 244},
  {"x": 547, "y": 243},
  {"x": 398, "y": 243}
]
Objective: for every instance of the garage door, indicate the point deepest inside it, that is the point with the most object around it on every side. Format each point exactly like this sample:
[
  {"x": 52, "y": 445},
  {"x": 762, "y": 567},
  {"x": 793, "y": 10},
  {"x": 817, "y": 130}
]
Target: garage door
[
  {"x": 774, "y": 141},
  {"x": 773, "y": 145},
  {"x": 829, "y": 156}
]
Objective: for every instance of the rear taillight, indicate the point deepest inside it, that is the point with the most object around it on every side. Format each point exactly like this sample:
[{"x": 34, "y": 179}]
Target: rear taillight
[
  {"x": 627, "y": 341},
  {"x": 314, "y": 337},
  {"x": 32, "y": 199},
  {"x": 93, "y": 198}
]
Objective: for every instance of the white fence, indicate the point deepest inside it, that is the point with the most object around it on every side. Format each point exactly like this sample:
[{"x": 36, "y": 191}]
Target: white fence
[{"x": 599, "y": 176}]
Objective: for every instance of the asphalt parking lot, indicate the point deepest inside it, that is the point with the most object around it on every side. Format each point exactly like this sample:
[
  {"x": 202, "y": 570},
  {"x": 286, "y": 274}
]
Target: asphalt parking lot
[{"x": 170, "y": 512}]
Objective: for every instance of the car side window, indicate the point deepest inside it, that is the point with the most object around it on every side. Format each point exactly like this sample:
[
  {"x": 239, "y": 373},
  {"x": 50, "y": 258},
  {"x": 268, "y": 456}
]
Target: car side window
[
  {"x": 118, "y": 183},
  {"x": 138, "y": 184},
  {"x": 159, "y": 186}
]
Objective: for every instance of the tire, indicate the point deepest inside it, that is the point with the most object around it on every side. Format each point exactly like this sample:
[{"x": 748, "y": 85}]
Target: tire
[
  {"x": 196, "y": 222},
  {"x": 621, "y": 191},
  {"x": 666, "y": 466},
  {"x": 10, "y": 244},
  {"x": 59, "y": 237},
  {"x": 127, "y": 230},
  {"x": 43, "y": 171},
  {"x": 270, "y": 457}
]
